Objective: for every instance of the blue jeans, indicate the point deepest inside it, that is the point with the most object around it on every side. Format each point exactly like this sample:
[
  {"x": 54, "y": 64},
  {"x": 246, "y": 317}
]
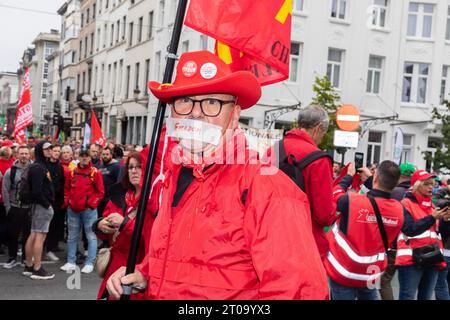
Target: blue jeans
[
  {"x": 416, "y": 280},
  {"x": 340, "y": 292},
  {"x": 74, "y": 221},
  {"x": 441, "y": 289}
]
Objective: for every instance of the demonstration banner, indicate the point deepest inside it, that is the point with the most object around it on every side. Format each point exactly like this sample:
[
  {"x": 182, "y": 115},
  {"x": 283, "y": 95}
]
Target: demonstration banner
[
  {"x": 24, "y": 113},
  {"x": 250, "y": 35}
]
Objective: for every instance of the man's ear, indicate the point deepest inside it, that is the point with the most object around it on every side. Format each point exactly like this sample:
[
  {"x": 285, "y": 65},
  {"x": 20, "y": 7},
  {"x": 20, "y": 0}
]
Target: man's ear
[{"x": 235, "y": 117}]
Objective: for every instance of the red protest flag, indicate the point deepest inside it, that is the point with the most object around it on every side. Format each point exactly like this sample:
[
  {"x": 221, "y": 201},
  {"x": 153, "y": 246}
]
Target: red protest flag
[
  {"x": 251, "y": 35},
  {"x": 97, "y": 136},
  {"x": 24, "y": 113}
]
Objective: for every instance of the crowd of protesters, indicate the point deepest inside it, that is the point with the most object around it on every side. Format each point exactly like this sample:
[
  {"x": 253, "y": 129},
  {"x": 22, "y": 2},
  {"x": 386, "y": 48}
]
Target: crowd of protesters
[{"x": 69, "y": 187}]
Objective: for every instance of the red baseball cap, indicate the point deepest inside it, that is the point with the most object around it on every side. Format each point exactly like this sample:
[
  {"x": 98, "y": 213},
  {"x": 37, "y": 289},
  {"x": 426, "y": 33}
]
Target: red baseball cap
[
  {"x": 7, "y": 143},
  {"x": 421, "y": 175},
  {"x": 202, "y": 72}
]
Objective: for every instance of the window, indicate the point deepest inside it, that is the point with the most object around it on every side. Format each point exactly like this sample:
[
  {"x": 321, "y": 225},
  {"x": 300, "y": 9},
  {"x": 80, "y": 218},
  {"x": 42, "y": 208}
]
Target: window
[
  {"x": 136, "y": 75},
  {"x": 447, "y": 32},
  {"x": 92, "y": 43},
  {"x": 374, "y": 148},
  {"x": 89, "y": 74},
  {"x": 334, "y": 66},
  {"x": 131, "y": 34},
  {"x": 112, "y": 35},
  {"x": 157, "y": 64},
  {"x": 107, "y": 3},
  {"x": 102, "y": 78},
  {"x": 415, "y": 77},
  {"x": 108, "y": 81},
  {"x": 98, "y": 39},
  {"x": 100, "y": 6},
  {"x": 85, "y": 46},
  {"x": 78, "y": 84},
  {"x": 83, "y": 83},
  {"x": 104, "y": 34},
  {"x": 141, "y": 21},
  {"x": 434, "y": 144},
  {"x": 150, "y": 25},
  {"x": 407, "y": 152},
  {"x": 124, "y": 27},
  {"x": 298, "y": 5},
  {"x": 374, "y": 74},
  {"x": 87, "y": 16},
  {"x": 203, "y": 42},
  {"x": 119, "y": 87},
  {"x": 82, "y": 20},
  {"x": 338, "y": 8},
  {"x": 420, "y": 20},
  {"x": 127, "y": 83},
  {"x": 147, "y": 76},
  {"x": 185, "y": 46},
  {"x": 161, "y": 14},
  {"x": 445, "y": 84},
  {"x": 117, "y": 31},
  {"x": 114, "y": 77},
  {"x": 95, "y": 78},
  {"x": 94, "y": 7},
  {"x": 295, "y": 59},
  {"x": 379, "y": 13}
]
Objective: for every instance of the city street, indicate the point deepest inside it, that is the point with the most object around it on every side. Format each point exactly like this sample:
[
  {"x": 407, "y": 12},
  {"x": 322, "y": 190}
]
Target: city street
[{"x": 63, "y": 286}]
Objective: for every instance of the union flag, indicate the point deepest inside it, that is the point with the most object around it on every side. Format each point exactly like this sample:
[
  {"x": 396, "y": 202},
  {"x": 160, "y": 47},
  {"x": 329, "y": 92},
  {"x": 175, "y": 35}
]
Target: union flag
[
  {"x": 250, "y": 35},
  {"x": 24, "y": 113},
  {"x": 97, "y": 136}
]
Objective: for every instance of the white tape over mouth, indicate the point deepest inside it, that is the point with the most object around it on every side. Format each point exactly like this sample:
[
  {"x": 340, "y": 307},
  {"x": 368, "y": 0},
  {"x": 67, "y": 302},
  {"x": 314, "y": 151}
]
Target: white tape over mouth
[{"x": 188, "y": 129}]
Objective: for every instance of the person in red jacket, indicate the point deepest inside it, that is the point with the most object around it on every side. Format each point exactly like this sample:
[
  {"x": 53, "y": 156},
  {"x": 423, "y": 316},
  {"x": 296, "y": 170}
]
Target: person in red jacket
[
  {"x": 117, "y": 223},
  {"x": 83, "y": 192},
  {"x": 227, "y": 227},
  {"x": 5, "y": 164},
  {"x": 318, "y": 175},
  {"x": 357, "y": 256}
]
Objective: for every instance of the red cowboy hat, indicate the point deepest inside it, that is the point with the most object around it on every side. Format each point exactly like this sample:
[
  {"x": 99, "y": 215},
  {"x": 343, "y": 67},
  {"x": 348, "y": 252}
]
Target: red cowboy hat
[{"x": 202, "y": 72}]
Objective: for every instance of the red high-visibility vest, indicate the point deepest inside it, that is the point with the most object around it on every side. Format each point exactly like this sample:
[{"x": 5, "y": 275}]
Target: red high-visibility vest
[
  {"x": 405, "y": 244},
  {"x": 358, "y": 258}
]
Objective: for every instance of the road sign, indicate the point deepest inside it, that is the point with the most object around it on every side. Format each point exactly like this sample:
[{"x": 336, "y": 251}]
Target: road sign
[
  {"x": 346, "y": 139},
  {"x": 347, "y": 117}
]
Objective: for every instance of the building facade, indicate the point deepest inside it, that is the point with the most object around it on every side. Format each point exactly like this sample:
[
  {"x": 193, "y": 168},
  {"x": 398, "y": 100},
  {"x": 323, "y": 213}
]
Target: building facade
[
  {"x": 9, "y": 96},
  {"x": 389, "y": 58}
]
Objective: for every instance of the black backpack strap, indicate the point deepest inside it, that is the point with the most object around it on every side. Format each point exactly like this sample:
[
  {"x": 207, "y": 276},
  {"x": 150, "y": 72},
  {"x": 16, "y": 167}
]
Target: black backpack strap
[
  {"x": 294, "y": 170},
  {"x": 379, "y": 221}
]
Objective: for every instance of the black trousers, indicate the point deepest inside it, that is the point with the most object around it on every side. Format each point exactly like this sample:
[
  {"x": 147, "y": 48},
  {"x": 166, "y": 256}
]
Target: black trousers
[
  {"x": 56, "y": 230},
  {"x": 3, "y": 226},
  {"x": 18, "y": 220}
]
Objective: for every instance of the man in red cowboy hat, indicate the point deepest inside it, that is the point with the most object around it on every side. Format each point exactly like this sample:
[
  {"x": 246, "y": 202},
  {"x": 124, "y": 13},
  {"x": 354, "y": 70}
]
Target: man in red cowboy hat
[{"x": 227, "y": 227}]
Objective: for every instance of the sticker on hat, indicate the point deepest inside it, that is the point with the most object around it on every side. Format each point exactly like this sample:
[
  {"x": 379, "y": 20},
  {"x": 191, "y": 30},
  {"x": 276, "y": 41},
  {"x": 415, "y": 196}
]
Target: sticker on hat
[
  {"x": 208, "y": 70},
  {"x": 189, "y": 69}
]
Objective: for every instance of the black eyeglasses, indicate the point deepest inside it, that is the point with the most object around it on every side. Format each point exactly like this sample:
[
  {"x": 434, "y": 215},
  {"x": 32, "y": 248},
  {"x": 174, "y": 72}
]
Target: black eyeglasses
[
  {"x": 134, "y": 167},
  {"x": 210, "y": 107}
]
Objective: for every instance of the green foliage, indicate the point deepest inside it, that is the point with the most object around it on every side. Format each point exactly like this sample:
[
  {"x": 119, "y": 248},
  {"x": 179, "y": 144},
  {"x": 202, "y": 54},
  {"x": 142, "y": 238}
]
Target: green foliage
[
  {"x": 441, "y": 159},
  {"x": 327, "y": 96}
]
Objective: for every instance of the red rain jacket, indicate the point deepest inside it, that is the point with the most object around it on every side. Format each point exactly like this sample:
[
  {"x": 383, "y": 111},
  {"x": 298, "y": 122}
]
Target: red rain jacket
[{"x": 213, "y": 245}]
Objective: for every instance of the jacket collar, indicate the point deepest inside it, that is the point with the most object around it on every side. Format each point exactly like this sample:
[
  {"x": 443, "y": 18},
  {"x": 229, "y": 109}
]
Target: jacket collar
[{"x": 301, "y": 134}]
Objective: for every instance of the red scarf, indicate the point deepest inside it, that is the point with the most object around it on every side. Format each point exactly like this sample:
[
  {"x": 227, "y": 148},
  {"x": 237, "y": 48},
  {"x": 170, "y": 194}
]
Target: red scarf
[
  {"x": 425, "y": 203},
  {"x": 131, "y": 201}
]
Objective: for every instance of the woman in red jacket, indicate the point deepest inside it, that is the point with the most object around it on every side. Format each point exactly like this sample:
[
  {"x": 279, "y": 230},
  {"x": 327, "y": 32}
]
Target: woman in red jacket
[{"x": 119, "y": 216}]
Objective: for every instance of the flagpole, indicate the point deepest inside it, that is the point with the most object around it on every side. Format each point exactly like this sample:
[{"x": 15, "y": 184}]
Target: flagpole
[{"x": 159, "y": 120}]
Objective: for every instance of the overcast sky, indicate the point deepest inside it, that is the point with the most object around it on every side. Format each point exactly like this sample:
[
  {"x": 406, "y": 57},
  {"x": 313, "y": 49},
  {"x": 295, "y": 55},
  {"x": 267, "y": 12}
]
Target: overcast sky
[{"x": 19, "y": 27}]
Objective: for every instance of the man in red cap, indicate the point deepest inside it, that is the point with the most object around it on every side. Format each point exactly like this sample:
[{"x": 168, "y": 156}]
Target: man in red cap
[{"x": 227, "y": 226}]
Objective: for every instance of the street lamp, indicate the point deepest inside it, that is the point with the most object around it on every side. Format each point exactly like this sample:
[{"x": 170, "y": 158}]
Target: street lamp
[{"x": 136, "y": 94}]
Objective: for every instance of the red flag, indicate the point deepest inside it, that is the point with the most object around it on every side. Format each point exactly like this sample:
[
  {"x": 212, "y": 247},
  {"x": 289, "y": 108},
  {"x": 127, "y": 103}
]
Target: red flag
[
  {"x": 97, "y": 136},
  {"x": 251, "y": 35},
  {"x": 24, "y": 113}
]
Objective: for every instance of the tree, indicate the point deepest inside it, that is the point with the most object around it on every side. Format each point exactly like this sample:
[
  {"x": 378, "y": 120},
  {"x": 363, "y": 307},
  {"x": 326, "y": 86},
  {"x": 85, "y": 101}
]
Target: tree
[
  {"x": 441, "y": 159},
  {"x": 327, "y": 96}
]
